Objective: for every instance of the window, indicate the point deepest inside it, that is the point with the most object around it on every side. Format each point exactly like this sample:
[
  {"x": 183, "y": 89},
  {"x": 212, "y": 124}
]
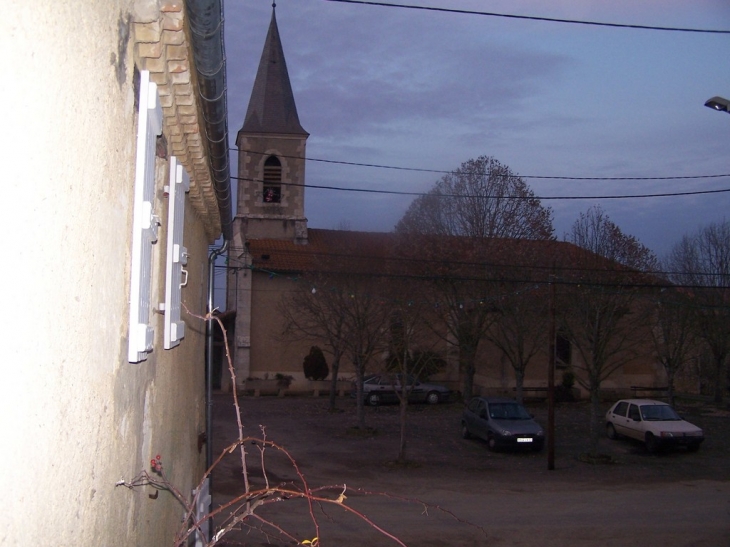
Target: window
[
  {"x": 620, "y": 409},
  {"x": 634, "y": 413},
  {"x": 562, "y": 351},
  {"x": 272, "y": 180}
]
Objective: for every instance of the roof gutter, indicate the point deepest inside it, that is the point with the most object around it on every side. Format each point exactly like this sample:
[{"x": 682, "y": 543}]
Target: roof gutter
[{"x": 206, "y": 28}]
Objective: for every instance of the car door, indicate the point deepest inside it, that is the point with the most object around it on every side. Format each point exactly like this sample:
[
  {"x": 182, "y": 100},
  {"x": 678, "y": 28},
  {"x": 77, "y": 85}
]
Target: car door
[
  {"x": 477, "y": 418},
  {"x": 416, "y": 392},
  {"x": 389, "y": 384},
  {"x": 634, "y": 425},
  {"x": 619, "y": 418},
  {"x": 482, "y": 420}
]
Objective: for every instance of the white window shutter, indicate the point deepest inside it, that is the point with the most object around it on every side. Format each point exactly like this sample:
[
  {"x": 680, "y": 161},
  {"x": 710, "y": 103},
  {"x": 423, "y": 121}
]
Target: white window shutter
[
  {"x": 145, "y": 222},
  {"x": 177, "y": 254}
]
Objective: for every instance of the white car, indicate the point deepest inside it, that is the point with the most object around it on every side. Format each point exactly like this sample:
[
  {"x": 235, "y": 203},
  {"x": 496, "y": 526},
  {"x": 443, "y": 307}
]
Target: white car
[{"x": 653, "y": 422}]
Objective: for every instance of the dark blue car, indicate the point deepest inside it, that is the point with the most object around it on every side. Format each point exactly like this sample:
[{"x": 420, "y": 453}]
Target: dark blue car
[{"x": 502, "y": 422}]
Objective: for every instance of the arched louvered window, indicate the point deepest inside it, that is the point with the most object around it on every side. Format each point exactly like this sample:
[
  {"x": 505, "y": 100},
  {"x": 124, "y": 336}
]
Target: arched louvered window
[{"x": 272, "y": 180}]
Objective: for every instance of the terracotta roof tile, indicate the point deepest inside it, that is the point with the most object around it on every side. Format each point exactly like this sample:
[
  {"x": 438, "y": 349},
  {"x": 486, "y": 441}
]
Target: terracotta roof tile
[{"x": 391, "y": 254}]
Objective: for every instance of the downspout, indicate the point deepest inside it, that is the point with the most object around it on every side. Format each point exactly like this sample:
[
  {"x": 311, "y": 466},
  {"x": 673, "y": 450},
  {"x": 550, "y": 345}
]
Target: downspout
[{"x": 209, "y": 330}]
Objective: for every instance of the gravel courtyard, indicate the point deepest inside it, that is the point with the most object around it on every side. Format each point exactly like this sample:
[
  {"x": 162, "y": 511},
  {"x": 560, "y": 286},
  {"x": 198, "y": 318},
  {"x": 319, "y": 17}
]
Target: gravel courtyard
[{"x": 455, "y": 492}]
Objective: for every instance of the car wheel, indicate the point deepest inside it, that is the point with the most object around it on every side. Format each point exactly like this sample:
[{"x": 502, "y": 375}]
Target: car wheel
[
  {"x": 652, "y": 445},
  {"x": 432, "y": 398},
  {"x": 492, "y": 443},
  {"x": 465, "y": 432},
  {"x": 611, "y": 432},
  {"x": 693, "y": 447},
  {"x": 373, "y": 399}
]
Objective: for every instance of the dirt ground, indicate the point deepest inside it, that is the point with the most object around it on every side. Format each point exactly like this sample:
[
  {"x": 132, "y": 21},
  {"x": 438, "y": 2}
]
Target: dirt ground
[{"x": 457, "y": 493}]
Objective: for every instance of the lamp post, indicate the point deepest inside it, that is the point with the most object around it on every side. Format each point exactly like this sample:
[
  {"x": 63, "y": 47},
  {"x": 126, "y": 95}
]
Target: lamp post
[{"x": 718, "y": 103}]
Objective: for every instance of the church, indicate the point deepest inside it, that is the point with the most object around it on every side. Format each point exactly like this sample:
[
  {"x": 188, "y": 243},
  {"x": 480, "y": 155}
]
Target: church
[{"x": 274, "y": 253}]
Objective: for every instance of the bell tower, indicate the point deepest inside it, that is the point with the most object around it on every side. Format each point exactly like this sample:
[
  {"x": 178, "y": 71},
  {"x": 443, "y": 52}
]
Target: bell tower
[
  {"x": 271, "y": 151},
  {"x": 270, "y": 203}
]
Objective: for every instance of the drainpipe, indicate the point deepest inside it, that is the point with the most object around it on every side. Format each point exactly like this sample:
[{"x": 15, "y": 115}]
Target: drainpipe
[{"x": 209, "y": 328}]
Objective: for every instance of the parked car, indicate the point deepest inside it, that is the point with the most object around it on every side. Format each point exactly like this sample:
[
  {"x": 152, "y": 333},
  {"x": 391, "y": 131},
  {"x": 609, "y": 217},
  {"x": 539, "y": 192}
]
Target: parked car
[
  {"x": 384, "y": 388},
  {"x": 653, "y": 422},
  {"x": 502, "y": 423}
]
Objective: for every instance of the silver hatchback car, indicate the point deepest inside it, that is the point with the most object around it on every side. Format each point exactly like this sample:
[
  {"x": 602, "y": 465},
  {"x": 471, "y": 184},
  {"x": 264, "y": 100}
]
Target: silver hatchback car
[
  {"x": 502, "y": 423},
  {"x": 386, "y": 388}
]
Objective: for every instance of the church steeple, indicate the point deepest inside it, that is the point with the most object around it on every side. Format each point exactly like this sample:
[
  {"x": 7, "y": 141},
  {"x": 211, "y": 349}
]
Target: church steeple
[
  {"x": 272, "y": 108},
  {"x": 271, "y": 153}
]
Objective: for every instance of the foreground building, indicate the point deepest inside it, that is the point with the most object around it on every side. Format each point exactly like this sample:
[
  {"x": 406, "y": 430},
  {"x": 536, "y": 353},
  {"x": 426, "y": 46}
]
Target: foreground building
[{"x": 112, "y": 197}]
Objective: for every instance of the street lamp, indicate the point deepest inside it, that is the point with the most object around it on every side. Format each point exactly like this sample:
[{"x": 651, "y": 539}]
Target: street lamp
[{"x": 718, "y": 103}]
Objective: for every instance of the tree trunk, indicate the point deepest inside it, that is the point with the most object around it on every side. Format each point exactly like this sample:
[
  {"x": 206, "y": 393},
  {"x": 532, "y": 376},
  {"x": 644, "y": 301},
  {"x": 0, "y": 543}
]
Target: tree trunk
[
  {"x": 467, "y": 356},
  {"x": 403, "y": 421},
  {"x": 670, "y": 387},
  {"x": 519, "y": 384},
  {"x": 596, "y": 423},
  {"x": 360, "y": 375},
  {"x": 719, "y": 379},
  {"x": 333, "y": 387}
]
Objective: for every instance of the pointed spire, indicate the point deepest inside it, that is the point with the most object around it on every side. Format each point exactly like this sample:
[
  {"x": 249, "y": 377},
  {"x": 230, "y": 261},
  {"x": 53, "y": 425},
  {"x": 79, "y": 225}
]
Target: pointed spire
[{"x": 272, "y": 108}]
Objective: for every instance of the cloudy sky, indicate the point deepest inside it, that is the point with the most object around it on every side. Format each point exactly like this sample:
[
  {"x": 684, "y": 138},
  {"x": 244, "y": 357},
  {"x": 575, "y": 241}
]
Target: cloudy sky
[{"x": 429, "y": 90}]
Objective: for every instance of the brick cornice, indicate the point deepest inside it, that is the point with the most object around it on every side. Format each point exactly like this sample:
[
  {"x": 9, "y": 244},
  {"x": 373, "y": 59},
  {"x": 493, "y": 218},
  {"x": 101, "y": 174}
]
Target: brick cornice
[{"x": 162, "y": 46}]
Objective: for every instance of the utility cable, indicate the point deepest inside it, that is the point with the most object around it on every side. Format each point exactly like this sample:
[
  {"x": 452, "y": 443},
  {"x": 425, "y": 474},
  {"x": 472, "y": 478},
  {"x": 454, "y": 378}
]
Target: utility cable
[
  {"x": 531, "y": 17},
  {"x": 453, "y": 171},
  {"x": 525, "y": 197}
]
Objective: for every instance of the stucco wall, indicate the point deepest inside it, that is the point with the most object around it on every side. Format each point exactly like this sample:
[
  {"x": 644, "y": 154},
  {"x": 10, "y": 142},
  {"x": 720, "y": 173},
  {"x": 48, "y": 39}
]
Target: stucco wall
[
  {"x": 272, "y": 353},
  {"x": 75, "y": 416}
]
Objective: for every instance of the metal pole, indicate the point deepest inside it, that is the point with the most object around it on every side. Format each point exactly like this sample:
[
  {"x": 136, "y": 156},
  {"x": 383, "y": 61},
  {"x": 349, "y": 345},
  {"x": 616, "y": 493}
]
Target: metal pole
[
  {"x": 209, "y": 373},
  {"x": 551, "y": 382},
  {"x": 209, "y": 356}
]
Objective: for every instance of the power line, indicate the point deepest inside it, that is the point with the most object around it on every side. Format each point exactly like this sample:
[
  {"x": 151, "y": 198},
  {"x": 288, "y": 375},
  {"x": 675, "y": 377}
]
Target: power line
[
  {"x": 620, "y": 285},
  {"x": 550, "y": 269},
  {"x": 526, "y": 197},
  {"x": 443, "y": 172},
  {"x": 532, "y": 17}
]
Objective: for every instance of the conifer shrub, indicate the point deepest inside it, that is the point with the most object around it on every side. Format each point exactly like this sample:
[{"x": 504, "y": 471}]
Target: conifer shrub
[
  {"x": 315, "y": 365},
  {"x": 564, "y": 392}
]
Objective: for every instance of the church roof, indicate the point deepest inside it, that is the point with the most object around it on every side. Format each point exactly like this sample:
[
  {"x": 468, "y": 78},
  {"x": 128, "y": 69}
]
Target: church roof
[
  {"x": 272, "y": 108},
  {"x": 431, "y": 256}
]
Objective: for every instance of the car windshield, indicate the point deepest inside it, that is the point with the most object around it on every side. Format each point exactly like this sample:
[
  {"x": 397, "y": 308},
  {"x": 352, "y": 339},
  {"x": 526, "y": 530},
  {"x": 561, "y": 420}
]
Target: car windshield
[
  {"x": 508, "y": 411},
  {"x": 658, "y": 413}
]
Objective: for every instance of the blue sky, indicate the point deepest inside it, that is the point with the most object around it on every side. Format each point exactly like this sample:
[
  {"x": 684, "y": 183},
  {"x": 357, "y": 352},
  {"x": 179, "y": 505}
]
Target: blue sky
[{"x": 430, "y": 90}]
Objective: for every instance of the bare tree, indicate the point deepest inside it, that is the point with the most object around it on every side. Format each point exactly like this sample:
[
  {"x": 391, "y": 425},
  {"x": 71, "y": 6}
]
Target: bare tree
[
  {"x": 365, "y": 320},
  {"x": 312, "y": 312},
  {"x": 596, "y": 232},
  {"x": 521, "y": 330},
  {"x": 604, "y": 314},
  {"x": 482, "y": 198},
  {"x": 702, "y": 261},
  {"x": 344, "y": 311},
  {"x": 411, "y": 348},
  {"x": 674, "y": 334}
]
